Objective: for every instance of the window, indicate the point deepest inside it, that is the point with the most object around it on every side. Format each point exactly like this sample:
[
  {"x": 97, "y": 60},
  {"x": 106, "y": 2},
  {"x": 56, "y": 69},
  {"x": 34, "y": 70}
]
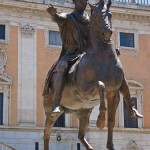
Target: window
[
  {"x": 1, "y": 108},
  {"x": 54, "y": 38},
  {"x": 127, "y": 39},
  {"x": 5, "y": 90},
  {"x": 130, "y": 122},
  {"x": 2, "y": 32},
  {"x": 124, "y": 119},
  {"x": 60, "y": 121},
  {"x": 5, "y": 32}
]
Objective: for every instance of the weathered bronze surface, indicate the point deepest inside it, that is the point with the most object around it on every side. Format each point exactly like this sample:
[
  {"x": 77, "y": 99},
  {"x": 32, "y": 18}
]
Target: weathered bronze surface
[{"x": 97, "y": 76}]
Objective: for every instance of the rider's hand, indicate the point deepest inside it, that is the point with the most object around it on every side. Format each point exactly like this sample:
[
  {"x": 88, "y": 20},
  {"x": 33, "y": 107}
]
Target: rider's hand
[{"x": 51, "y": 10}]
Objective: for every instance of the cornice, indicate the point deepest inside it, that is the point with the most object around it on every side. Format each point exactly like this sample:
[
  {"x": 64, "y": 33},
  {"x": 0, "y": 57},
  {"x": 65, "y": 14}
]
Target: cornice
[
  {"x": 131, "y": 17},
  {"x": 129, "y": 13},
  {"x": 23, "y": 10},
  {"x": 38, "y": 6},
  {"x": 34, "y": 10},
  {"x": 31, "y": 10}
]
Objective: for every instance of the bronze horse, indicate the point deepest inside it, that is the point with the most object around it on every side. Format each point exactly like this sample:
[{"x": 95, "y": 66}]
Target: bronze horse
[{"x": 98, "y": 75}]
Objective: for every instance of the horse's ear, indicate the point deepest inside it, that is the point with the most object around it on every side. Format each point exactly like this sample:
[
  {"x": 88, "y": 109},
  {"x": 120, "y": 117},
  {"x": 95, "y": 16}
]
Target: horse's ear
[
  {"x": 101, "y": 3},
  {"x": 109, "y": 4},
  {"x": 92, "y": 7}
]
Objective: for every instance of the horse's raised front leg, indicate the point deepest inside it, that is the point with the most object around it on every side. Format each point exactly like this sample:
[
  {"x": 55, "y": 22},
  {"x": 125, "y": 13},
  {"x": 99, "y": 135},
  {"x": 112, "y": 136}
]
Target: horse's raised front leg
[
  {"x": 83, "y": 116},
  {"x": 112, "y": 104},
  {"x": 49, "y": 122},
  {"x": 124, "y": 89},
  {"x": 101, "y": 118}
]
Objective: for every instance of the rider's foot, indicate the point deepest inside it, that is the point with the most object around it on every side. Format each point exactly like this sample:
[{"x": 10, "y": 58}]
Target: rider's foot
[
  {"x": 135, "y": 113},
  {"x": 56, "y": 110}
]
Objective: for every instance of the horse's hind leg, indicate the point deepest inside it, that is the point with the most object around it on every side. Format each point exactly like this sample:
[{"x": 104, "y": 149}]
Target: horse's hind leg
[
  {"x": 101, "y": 118},
  {"x": 112, "y": 104},
  {"x": 50, "y": 120},
  {"x": 83, "y": 116}
]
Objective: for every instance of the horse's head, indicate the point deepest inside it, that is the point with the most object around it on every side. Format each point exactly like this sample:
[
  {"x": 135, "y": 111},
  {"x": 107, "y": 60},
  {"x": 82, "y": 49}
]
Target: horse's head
[{"x": 101, "y": 20}]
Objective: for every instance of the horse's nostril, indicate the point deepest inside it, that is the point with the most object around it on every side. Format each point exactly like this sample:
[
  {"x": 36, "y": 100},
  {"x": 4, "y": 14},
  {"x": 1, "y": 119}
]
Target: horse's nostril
[{"x": 107, "y": 34}]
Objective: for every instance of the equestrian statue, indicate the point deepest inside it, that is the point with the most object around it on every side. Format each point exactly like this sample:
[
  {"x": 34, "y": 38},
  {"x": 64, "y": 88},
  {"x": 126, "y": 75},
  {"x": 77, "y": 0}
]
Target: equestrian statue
[{"x": 87, "y": 73}]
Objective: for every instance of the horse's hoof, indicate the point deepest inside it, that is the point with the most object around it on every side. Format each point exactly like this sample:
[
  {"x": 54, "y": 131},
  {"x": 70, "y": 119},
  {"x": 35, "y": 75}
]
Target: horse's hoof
[
  {"x": 90, "y": 148},
  {"x": 101, "y": 120},
  {"x": 56, "y": 112},
  {"x": 135, "y": 113},
  {"x": 110, "y": 147},
  {"x": 100, "y": 124}
]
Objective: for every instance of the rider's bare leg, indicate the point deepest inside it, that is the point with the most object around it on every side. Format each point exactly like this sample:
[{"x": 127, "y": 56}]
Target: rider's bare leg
[
  {"x": 124, "y": 89},
  {"x": 59, "y": 84}
]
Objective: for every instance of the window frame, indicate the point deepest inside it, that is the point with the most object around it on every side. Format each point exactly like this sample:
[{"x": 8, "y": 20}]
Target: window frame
[
  {"x": 50, "y": 48},
  {"x": 131, "y": 119},
  {"x": 4, "y": 31},
  {"x": 2, "y": 107},
  {"x": 49, "y": 39},
  {"x": 7, "y": 32},
  {"x": 123, "y": 39},
  {"x": 135, "y": 91},
  {"x": 136, "y": 39},
  {"x": 5, "y": 88}
]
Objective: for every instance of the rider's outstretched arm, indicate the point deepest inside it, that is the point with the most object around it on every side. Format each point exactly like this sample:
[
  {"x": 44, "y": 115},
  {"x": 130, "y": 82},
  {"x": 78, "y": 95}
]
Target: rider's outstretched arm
[{"x": 56, "y": 17}]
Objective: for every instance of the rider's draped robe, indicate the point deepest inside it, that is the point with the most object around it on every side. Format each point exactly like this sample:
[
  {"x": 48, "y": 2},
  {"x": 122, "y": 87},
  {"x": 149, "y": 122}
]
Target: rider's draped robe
[{"x": 74, "y": 29}]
